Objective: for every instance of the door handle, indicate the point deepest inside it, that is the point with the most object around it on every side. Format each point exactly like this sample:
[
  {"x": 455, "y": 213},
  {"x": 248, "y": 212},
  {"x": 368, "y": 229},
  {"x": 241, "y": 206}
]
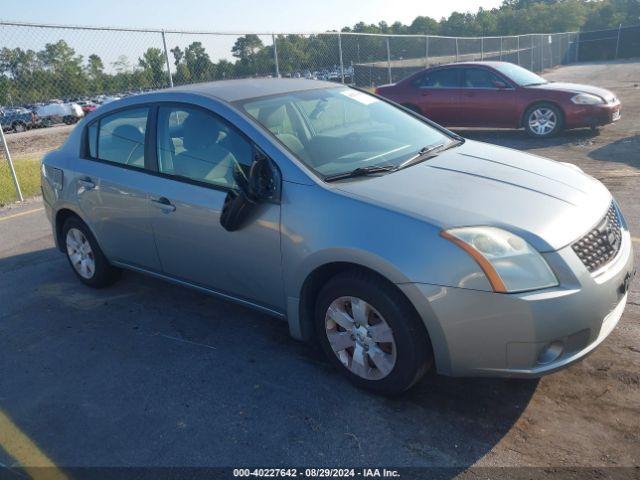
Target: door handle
[
  {"x": 163, "y": 204},
  {"x": 86, "y": 183}
]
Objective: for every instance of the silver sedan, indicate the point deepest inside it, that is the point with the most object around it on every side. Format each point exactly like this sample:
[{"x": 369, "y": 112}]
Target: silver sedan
[{"x": 396, "y": 244}]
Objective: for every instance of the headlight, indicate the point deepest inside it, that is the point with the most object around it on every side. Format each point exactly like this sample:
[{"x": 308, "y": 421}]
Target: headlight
[
  {"x": 586, "y": 99},
  {"x": 509, "y": 262}
]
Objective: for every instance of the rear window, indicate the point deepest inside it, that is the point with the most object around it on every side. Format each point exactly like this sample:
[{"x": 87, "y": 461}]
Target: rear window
[{"x": 119, "y": 137}]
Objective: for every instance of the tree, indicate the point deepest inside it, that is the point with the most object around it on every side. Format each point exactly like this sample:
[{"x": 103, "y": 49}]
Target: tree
[
  {"x": 122, "y": 64},
  {"x": 246, "y": 50},
  {"x": 424, "y": 26},
  {"x": 246, "y": 47},
  {"x": 153, "y": 65},
  {"x": 95, "y": 67},
  {"x": 224, "y": 69},
  {"x": 198, "y": 63}
]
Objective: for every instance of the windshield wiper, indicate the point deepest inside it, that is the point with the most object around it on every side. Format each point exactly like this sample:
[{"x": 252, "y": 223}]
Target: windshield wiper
[
  {"x": 361, "y": 172},
  {"x": 428, "y": 152}
]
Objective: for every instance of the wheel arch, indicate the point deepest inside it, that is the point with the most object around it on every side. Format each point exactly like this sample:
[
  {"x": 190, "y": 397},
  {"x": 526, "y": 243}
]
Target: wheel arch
[
  {"x": 60, "y": 217},
  {"x": 319, "y": 276}
]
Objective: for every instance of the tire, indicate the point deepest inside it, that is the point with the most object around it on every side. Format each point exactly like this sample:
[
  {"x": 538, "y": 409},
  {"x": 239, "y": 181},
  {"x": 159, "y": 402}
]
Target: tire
[
  {"x": 82, "y": 251},
  {"x": 385, "y": 367},
  {"x": 543, "y": 120},
  {"x": 19, "y": 127}
]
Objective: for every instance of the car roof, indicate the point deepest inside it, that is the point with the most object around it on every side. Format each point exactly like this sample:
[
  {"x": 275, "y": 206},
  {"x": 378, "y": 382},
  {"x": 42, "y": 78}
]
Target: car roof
[
  {"x": 493, "y": 64},
  {"x": 234, "y": 90}
]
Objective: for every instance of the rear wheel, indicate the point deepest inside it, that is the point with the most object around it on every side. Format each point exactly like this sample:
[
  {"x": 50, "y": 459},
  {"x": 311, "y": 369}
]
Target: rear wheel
[
  {"x": 371, "y": 333},
  {"x": 543, "y": 120},
  {"x": 85, "y": 257},
  {"x": 19, "y": 127}
]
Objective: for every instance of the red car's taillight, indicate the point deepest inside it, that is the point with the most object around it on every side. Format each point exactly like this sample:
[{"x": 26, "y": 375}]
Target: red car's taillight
[{"x": 377, "y": 91}]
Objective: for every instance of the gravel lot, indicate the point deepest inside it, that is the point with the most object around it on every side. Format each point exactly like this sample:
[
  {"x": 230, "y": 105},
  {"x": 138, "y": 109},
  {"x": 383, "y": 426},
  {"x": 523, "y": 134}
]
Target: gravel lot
[{"x": 150, "y": 374}]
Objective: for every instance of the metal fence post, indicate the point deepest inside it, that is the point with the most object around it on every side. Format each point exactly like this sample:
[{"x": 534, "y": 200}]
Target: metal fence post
[
  {"x": 389, "y": 60},
  {"x": 618, "y": 40},
  {"x": 456, "y": 49},
  {"x": 426, "y": 51},
  {"x": 7, "y": 154},
  {"x": 166, "y": 57},
  {"x": 481, "y": 48},
  {"x": 340, "y": 52},
  {"x": 531, "y": 50},
  {"x": 500, "y": 48},
  {"x": 518, "y": 49},
  {"x": 274, "y": 39},
  {"x": 577, "y": 41},
  {"x": 541, "y": 37}
]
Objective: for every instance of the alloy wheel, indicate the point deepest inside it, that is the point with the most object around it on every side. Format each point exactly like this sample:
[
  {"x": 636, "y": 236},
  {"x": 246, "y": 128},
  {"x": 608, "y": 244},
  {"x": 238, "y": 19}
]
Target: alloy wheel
[
  {"x": 361, "y": 338},
  {"x": 542, "y": 121},
  {"x": 80, "y": 253}
]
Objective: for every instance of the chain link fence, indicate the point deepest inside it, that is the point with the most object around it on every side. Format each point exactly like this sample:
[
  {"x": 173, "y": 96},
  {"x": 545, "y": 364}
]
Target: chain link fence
[{"x": 56, "y": 74}]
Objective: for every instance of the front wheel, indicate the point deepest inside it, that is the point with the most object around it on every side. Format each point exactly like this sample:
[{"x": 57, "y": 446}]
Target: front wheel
[
  {"x": 543, "y": 120},
  {"x": 371, "y": 333}
]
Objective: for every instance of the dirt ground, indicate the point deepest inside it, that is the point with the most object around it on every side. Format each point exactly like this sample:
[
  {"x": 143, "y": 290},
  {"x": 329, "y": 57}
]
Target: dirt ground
[
  {"x": 37, "y": 142},
  {"x": 283, "y": 405}
]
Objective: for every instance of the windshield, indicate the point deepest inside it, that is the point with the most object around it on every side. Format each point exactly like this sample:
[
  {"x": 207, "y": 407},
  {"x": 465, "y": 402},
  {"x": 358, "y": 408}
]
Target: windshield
[
  {"x": 337, "y": 130},
  {"x": 521, "y": 76}
]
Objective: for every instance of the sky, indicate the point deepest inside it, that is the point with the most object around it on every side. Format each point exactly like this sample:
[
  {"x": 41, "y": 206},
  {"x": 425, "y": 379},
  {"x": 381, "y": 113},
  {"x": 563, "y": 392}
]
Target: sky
[{"x": 235, "y": 15}]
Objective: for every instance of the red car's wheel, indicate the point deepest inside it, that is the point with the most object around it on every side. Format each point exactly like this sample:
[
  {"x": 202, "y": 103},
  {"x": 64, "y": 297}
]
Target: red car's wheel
[{"x": 543, "y": 120}]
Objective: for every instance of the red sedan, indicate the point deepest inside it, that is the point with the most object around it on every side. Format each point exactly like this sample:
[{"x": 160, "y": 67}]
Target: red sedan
[{"x": 502, "y": 95}]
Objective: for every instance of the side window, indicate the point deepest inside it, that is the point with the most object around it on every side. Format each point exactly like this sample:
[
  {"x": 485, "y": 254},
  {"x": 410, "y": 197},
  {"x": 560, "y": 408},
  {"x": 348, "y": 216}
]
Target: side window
[
  {"x": 197, "y": 145},
  {"x": 444, "y": 78},
  {"x": 119, "y": 137},
  {"x": 480, "y": 78}
]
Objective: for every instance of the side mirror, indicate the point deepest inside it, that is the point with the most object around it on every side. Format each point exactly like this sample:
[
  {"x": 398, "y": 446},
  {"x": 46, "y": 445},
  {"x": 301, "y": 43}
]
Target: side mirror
[
  {"x": 500, "y": 84},
  {"x": 259, "y": 185}
]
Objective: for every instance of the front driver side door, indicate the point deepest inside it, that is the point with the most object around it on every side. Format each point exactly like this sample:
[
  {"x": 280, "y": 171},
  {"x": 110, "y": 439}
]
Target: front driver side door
[
  {"x": 196, "y": 154},
  {"x": 487, "y": 99}
]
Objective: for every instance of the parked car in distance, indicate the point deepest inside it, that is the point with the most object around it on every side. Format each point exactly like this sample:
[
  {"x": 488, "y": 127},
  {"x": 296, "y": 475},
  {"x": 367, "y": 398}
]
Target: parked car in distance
[
  {"x": 52, "y": 113},
  {"x": 392, "y": 241},
  {"x": 502, "y": 95},
  {"x": 87, "y": 106},
  {"x": 17, "y": 119}
]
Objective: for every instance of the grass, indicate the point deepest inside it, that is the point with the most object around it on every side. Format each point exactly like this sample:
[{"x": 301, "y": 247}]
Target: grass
[{"x": 28, "y": 173}]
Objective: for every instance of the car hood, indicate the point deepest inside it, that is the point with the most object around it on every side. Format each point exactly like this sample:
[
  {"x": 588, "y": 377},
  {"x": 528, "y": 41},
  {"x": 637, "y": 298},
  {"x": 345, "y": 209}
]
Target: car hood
[
  {"x": 550, "y": 204},
  {"x": 577, "y": 88}
]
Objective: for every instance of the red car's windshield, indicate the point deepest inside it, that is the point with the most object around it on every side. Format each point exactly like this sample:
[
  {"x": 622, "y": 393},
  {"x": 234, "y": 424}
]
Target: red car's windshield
[{"x": 519, "y": 75}]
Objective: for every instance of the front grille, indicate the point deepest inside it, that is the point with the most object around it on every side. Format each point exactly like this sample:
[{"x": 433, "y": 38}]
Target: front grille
[{"x": 600, "y": 245}]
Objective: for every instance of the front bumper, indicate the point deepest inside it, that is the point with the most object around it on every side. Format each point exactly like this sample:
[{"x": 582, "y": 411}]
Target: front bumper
[
  {"x": 577, "y": 116},
  {"x": 478, "y": 333}
]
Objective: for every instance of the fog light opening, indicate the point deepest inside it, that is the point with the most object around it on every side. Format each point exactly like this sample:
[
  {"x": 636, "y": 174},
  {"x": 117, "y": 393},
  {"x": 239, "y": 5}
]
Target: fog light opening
[{"x": 550, "y": 352}]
